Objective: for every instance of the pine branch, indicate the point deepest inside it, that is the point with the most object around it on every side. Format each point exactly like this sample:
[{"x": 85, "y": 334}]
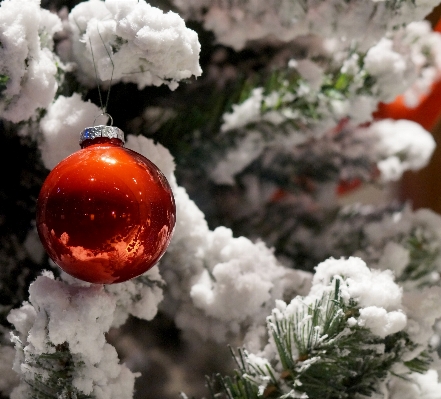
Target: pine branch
[
  {"x": 320, "y": 356},
  {"x": 423, "y": 257},
  {"x": 51, "y": 375}
]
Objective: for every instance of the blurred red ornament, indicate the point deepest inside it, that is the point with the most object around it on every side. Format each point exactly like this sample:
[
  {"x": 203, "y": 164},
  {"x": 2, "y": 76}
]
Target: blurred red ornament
[
  {"x": 347, "y": 186},
  {"x": 105, "y": 214}
]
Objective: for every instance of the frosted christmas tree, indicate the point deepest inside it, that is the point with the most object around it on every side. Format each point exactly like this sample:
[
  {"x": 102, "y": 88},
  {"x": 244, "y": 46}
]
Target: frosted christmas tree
[{"x": 259, "y": 116}]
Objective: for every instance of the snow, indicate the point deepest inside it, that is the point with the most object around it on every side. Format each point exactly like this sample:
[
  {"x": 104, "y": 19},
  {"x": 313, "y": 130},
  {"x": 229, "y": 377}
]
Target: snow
[
  {"x": 416, "y": 386},
  {"x": 9, "y": 379},
  {"x": 155, "y": 152},
  {"x": 367, "y": 287},
  {"x": 394, "y": 256},
  {"x": 405, "y": 60},
  {"x": 423, "y": 311},
  {"x": 238, "y": 158},
  {"x": 65, "y": 119},
  {"x": 401, "y": 145},
  {"x": 212, "y": 277},
  {"x": 243, "y": 277},
  {"x": 388, "y": 67},
  {"x": 239, "y": 24},
  {"x": 211, "y": 282},
  {"x": 244, "y": 113},
  {"x": 381, "y": 322},
  {"x": 79, "y": 316},
  {"x": 145, "y": 46},
  {"x": 26, "y": 58},
  {"x": 137, "y": 298}
]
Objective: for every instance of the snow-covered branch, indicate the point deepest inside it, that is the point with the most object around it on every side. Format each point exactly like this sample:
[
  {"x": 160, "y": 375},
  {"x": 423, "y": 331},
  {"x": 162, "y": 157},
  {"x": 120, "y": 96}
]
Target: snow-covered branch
[
  {"x": 30, "y": 72},
  {"x": 132, "y": 41},
  {"x": 60, "y": 343}
]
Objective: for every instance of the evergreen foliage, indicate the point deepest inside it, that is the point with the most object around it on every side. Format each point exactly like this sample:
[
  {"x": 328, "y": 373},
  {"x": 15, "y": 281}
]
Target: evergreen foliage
[
  {"x": 264, "y": 142},
  {"x": 319, "y": 355},
  {"x": 50, "y": 375}
]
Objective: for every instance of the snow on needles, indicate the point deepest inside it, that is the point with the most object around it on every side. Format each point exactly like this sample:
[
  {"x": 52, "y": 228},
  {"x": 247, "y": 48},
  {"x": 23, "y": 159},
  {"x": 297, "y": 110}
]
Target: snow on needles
[
  {"x": 142, "y": 44},
  {"x": 77, "y": 316},
  {"x": 28, "y": 67},
  {"x": 375, "y": 292},
  {"x": 367, "y": 287},
  {"x": 139, "y": 297},
  {"x": 406, "y": 60}
]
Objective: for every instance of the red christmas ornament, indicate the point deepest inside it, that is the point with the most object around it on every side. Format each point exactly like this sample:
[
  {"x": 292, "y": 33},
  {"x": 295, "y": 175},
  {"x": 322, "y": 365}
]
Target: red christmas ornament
[{"x": 105, "y": 214}]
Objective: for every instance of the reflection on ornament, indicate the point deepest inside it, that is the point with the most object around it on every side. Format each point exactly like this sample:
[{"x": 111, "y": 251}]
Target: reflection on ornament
[{"x": 105, "y": 214}]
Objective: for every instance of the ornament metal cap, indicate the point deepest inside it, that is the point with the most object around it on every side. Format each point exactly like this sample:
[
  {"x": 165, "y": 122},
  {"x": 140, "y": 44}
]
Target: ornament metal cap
[{"x": 111, "y": 132}]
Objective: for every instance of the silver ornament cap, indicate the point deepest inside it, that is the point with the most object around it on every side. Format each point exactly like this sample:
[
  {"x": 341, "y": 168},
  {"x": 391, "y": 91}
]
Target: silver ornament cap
[{"x": 111, "y": 132}]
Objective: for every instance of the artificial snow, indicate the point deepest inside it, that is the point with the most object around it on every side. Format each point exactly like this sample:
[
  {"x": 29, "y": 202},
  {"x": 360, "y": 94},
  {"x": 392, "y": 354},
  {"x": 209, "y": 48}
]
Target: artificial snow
[
  {"x": 240, "y": 24},
  {"x": 388, "y": 67},
  {"x": 422, "y": 308},
  {"x": 405, "y": 60},
  {"x": 238, "y": 158},
  {"x": 215, "y": 283},
  {"x": 139, "y": 297},
  {"x": 79, "y": 317},
  {"x": 143, "y": 45},
  {"x": 9, "y": 379},
  {"x": 244, "y": 113},
  {"x": 154, "y": 152},
  {"x": 27, "y": 62},
  {"x": 366, "y": 286},
  {"x": 416, "y": 386},
  {"x": 381, "y": 322},
  {"x": 65, "y": 119},
  {"x": 401, "y": 145},
  {"x": 212, "y": 277}
]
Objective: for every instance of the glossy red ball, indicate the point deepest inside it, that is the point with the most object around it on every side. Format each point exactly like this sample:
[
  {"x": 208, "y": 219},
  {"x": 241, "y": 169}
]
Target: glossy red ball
[{"x": 105, "y": 214}]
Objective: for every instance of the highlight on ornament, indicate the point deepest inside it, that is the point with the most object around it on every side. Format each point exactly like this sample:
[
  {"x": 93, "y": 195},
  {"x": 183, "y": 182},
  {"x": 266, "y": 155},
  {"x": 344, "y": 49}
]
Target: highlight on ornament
[{"x": 105, "y": 214}]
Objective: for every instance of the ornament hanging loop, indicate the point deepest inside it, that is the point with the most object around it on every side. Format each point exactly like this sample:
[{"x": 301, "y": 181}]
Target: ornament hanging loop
[
  {"x": 103, "y": 114},
  {"x": 103, "y": 107}
]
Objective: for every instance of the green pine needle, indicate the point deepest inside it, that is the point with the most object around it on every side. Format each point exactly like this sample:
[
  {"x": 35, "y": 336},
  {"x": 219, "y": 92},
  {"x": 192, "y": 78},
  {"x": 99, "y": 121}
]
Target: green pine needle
[
  {"x": 320, "y": 355},
  {"x": 53, "y": 375}
]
